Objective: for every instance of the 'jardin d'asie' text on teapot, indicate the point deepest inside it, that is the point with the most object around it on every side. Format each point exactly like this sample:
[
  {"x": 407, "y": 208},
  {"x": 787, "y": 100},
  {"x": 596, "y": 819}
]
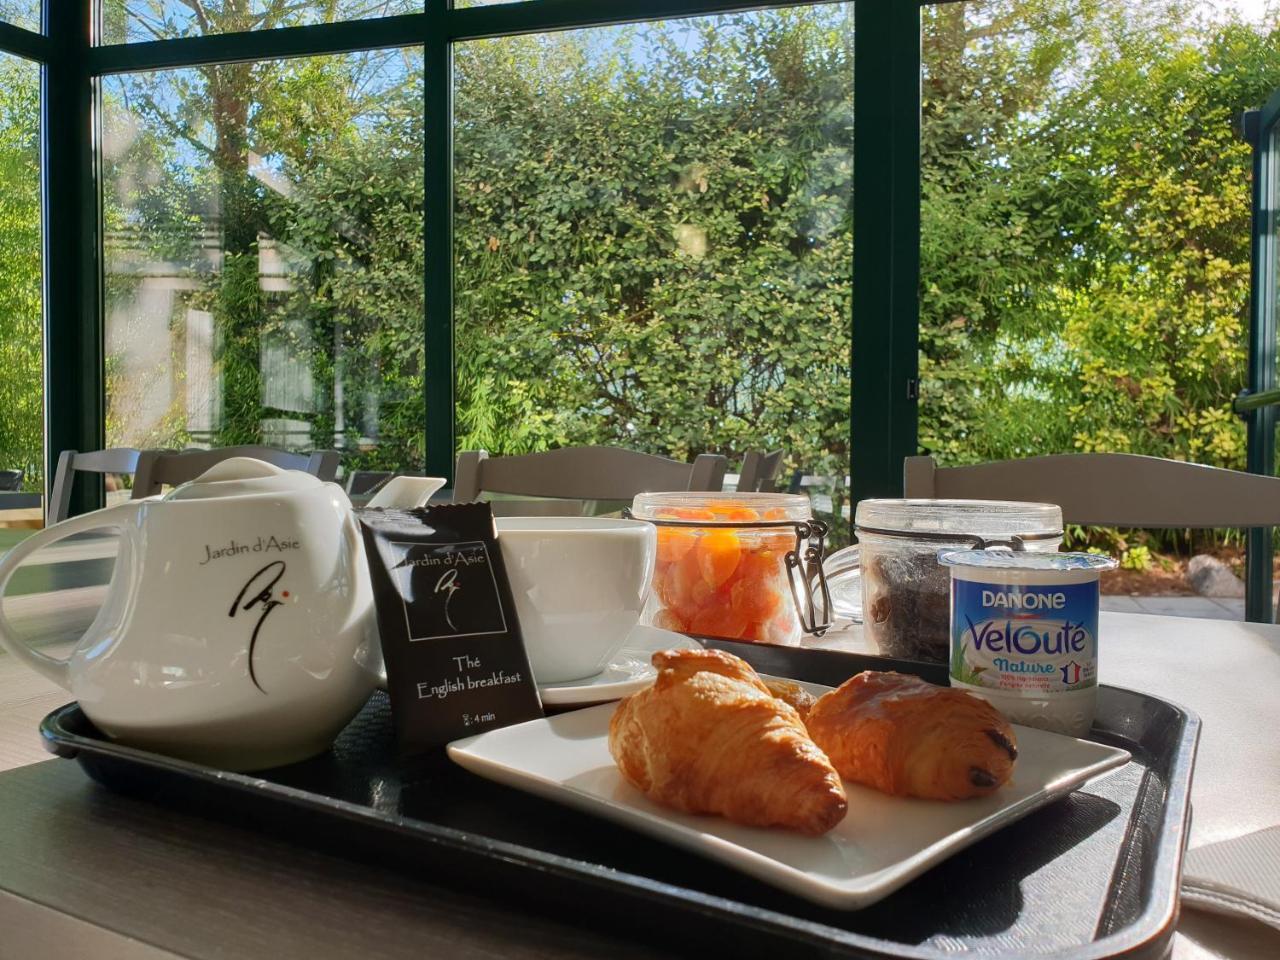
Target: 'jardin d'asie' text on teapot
[{"x": 238, "y": 629}]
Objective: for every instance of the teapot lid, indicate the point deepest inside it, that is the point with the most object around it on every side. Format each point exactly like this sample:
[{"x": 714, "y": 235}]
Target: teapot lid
[{"x": 242, "y": 477}]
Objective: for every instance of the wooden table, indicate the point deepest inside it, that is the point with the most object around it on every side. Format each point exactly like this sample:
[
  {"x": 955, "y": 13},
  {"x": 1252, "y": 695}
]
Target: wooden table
[{"x": 86, "y": 873}]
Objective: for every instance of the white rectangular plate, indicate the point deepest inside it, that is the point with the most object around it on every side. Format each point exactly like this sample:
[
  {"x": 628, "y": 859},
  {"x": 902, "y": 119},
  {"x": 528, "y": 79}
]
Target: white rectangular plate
[{"x": 880, "y": 845}]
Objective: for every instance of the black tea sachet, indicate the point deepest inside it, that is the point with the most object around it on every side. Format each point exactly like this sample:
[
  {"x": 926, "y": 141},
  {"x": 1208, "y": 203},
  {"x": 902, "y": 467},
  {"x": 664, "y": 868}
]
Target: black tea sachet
[{"x": 456, "y": 663}]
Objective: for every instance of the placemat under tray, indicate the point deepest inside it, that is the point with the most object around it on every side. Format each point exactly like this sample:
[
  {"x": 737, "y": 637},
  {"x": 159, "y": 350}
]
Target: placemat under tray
[{"x": 1093, "y": 875}]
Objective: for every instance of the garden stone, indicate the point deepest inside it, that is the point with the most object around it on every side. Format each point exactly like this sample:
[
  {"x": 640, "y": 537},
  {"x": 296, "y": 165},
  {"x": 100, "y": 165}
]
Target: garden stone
[{"x": 1210, "y": 577}]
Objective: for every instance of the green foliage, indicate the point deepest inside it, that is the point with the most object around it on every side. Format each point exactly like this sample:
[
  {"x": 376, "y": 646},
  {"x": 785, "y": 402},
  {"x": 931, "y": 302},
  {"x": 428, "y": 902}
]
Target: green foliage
[
  {"x": 21, "y": 339},
  {"x": 21, "y": 13},
  {"x": 1085, "y": 248},
  {"x": 1086, "y": 241},
  {"x": 653, "y": 238},
  {"x": 1136, "y": 558}
]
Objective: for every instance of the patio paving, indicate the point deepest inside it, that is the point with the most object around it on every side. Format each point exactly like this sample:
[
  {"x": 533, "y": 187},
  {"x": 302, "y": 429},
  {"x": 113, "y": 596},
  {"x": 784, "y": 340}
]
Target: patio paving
[{"x": 1207, "y": 607}]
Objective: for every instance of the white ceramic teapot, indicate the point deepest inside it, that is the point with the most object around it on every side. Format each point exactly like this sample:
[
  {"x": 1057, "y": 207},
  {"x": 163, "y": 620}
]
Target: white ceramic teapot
[{"x": 238, "y": 628}]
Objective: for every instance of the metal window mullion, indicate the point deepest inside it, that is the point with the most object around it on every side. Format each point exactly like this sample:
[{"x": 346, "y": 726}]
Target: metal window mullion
[
  {"x": 542, "y": 16},
  {"x": 437, "y": 241},
  {"x": 24, "y": 43},
  {"x": 1261, "y": 422},
  {"x": 405, "y": 30},
  {"x": 313, "y": 40},
  {"x": 71, "y": 215},
  {"x": 886, "y": 249}
]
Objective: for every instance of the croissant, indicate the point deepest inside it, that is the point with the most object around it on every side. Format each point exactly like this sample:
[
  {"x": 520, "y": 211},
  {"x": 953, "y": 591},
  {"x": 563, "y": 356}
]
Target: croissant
[
  {"x": 906, "y": 737},
  {"x": 709, "y": 737}
]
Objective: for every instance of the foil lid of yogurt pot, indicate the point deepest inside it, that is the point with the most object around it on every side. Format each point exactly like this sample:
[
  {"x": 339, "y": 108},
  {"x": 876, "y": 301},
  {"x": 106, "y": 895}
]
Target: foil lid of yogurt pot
[{"x": 1026, "y": 560}]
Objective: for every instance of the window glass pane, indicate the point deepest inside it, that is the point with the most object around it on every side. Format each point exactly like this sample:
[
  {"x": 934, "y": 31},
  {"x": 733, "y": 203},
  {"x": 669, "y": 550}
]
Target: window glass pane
[
  {"x": 264, "y": 256},
  {"x": 21, "y": 330},
  {"x": 131, "y": 21},
  {"x": 1085, "y": 238},
  {"x": 21, "y": 13},
  {"x": 1085, "y": 225},
  {"x": 653, "y": 238}
]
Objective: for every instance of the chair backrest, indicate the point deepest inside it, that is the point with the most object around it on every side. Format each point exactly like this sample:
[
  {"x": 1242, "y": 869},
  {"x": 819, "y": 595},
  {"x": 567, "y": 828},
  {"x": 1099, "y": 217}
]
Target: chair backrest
[
  {"x": 123, "y": 460},
  {"x": 759, "y": 471},
  {"x": 11, "y": 480},
  {"x": 542, "y": 507},
  {"x": 1109, "y": 489},
  {"x": 174, "y": 467},
  {"x": 583, "y": 473}
]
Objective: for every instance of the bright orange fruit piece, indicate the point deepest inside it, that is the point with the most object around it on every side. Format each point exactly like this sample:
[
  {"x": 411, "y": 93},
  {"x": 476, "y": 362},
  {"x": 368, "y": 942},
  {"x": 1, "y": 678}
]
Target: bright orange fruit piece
[
  {"x": 721, "y": 620},
  {"x": 674, "y": 543},
  {"x": 719, "y": 552},
  {"x": 760, "y": 566},
  {"x": 663, "y": 578},
  {"x": 755, "y": 599},
  {"x": 688, "y": 590}
]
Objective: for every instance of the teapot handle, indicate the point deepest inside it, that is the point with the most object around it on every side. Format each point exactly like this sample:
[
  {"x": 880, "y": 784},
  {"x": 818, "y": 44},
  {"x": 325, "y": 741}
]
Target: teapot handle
[{"x": 119, "y": 516}]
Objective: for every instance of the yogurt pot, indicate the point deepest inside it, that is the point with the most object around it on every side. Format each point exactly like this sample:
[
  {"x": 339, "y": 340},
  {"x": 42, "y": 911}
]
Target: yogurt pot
[{"x": 1024, "y": 633}]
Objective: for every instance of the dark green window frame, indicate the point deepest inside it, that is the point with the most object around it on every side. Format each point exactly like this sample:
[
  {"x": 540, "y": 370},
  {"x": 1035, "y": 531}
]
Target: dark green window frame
[
  {"x": 886, "y": 192},
  {"x": 1258, "y": 402}
]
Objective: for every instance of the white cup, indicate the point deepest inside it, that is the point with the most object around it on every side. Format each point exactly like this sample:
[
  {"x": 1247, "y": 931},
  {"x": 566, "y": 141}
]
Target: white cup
[{"x": 580, "y": 584}]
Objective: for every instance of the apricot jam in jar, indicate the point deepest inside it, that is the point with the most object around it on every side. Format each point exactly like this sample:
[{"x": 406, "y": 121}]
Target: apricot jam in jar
[{"x": 740, "y": 566}]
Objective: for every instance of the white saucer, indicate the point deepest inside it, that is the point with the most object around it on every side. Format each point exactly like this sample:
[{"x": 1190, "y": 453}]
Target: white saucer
[{"x": 628, "y": 671}]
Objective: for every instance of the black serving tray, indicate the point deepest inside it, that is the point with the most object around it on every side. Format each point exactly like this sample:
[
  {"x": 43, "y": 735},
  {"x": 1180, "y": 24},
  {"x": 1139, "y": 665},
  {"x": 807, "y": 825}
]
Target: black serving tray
[{"x": 1094, "y": 874}]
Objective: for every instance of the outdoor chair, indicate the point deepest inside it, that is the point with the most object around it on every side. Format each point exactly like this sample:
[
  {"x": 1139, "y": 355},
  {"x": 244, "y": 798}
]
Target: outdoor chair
[
  {"x": 118, "y": 460},
  {"x": 759, "y": 472},
  {"x": 11, "y": 480},
  {"x": 561, "y": 477},
  {"x": 1109, "y": 489},
  {"x": 164, "y": 467}
]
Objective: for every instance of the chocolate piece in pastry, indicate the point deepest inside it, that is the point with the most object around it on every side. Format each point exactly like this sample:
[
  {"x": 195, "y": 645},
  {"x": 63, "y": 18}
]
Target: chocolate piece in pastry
[
  {"x": 792, "y": 693},
  {"x": 906, "y": 737},
  {"x": 709, "y": 737}
]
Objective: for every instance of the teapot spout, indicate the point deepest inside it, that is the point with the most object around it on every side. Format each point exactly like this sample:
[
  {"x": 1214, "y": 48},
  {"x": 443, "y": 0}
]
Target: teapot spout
[{"x": 404, "y": 493}]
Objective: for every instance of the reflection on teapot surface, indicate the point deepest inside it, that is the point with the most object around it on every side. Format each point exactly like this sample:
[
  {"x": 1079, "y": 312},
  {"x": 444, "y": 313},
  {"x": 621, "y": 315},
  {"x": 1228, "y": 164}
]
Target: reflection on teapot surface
[{"x": 236, "y": 621}]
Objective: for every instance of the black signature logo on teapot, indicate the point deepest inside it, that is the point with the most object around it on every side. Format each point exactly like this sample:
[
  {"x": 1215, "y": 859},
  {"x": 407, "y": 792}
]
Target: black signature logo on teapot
[{"x": 259, "y": 593}]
